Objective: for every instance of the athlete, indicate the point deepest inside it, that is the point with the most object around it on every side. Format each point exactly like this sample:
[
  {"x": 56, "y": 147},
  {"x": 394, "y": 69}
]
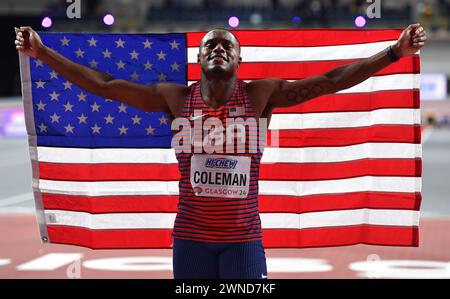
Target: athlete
[{"x": 217, "y": 231}]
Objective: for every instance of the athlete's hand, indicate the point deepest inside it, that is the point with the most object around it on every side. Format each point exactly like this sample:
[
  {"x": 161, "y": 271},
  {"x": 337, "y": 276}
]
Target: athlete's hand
[
  {"x": 28, "y": 42},
  {"x": 410, "y": 41}
]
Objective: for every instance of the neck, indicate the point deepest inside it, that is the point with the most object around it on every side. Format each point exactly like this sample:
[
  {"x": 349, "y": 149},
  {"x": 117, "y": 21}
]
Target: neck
[{"x": 217, "y": 91}]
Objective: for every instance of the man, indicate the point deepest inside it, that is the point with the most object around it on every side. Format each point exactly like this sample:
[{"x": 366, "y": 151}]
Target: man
[{"x": 217, "y": 231}]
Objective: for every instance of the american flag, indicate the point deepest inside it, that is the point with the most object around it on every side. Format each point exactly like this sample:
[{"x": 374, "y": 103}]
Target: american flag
[{"x": 346, "y": 168}]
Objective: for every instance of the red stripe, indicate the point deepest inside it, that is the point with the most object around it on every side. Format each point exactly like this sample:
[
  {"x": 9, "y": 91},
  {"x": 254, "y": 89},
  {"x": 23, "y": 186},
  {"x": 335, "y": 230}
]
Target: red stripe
[
  {"x": 341, "y": 201},
  {"x": 338, "y": 236},
  {"x": 297, "y": 70},
  {"x": 277, "y": 171},
  {"x": 367, "y": 101},
  {"x": 267, "y": 203},
  {"x": 110, "y": 204},
  {"x": 341, "y": 170},
  {"x": 273, "y": 238},
  {"x": 304, "y": 37},
  {"x": 345, "y": 136}
]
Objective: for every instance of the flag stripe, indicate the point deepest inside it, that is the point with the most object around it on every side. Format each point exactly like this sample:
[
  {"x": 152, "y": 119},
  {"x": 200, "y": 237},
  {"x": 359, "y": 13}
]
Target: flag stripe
[
  {"x": 283, "y": 238},
  {"x": 304, "y": 69},
  {"x": 278, "y": 171},
  {"x": 345, "y": 136},
  {"x": 379, "y": 83},
  {"x": 291, "y": 53},
  {"x": 304, "y": 37},
  {"x": 267, "y": 203},
  {"x": 357, "y": 102},
  {"x": 270, "y": 155},
  {"x": 344, "y": 119},
  {"x": 296, "y": 188},
  {"x": 269, "y": 220}
]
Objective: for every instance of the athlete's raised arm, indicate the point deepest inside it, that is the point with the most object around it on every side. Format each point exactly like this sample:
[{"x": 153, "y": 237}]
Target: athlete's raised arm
[
  {"x": 284, "y": 93},
  {"x": 154, "y": 97}
]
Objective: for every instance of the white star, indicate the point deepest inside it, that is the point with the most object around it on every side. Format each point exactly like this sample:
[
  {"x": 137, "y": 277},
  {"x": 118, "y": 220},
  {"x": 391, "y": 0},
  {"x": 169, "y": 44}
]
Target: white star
[
  {"x": 120, "y": 65},
  {"x": 106, "y": 54},
  {"x": 68, "y": 107},
  {"x": 134, "y": 76},
  {"x": 136, "y": 120},
  {"x": 43, "y": 127},
  {"x": 150, "y": 130},
  {"x": 82, "y": 118},
  {"x": 96, "y": 129},
  {"x": 108, "y": 100},
  {"x": 120, "y": 43},
  {"x": 80, "y": 53},
  {"x": 53, "y": 75},
  {"x": 40, "y": 84},
  {"x": 161, "y": 55},
  {"x": 81, "y": 96},
  {"x": 95, "y": 107},
  {"x": 123, "y": 130},
  {"x": 41, "y": 106},
  {"x": 174, "y": 45},
  {"x": 162, "y": 77},
  {"x": 109, "y": 119},
  {"x": 67, "y": 85},
  {"x": 93, "y": 63},
  {"x": 147, "y": 44},
  {"x": 92, "y": 42},
  {"x": 134, "y": 54},
  {"x": 175, "y": 66},
  {"x": 55, "y": 118},
  {"x": 69, "y": 128},
  {"x": 54, "y": 96},
  {"x": 122, "y": 108},
  {"x": 65, "y": 41},
  {"x": 39, "y": 63},
  {"x": 148, "y": 65},
  {"x": 163, "y": 120}
]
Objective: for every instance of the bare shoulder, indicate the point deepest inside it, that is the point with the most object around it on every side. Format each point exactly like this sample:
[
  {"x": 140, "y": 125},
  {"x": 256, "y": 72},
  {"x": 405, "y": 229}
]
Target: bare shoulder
[{"x": 259, "y": 93}]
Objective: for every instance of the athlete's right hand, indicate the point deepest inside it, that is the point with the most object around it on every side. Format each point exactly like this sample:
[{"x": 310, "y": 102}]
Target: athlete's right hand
[{"x": 28, "y": 42}]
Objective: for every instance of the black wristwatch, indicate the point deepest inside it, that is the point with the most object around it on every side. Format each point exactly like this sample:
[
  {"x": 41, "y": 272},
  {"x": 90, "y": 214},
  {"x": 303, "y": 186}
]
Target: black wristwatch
[{"x": 392, "y": 56}]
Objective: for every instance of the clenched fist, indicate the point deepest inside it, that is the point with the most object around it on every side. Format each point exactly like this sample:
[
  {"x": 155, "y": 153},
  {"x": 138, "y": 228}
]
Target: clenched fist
[
  {"x": 28, "y": 42},
  {"x": 410, "y": 41}
]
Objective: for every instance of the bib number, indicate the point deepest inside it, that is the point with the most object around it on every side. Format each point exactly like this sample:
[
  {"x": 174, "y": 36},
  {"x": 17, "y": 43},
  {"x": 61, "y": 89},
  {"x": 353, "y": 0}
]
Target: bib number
[{"x": 220, "y": 176}]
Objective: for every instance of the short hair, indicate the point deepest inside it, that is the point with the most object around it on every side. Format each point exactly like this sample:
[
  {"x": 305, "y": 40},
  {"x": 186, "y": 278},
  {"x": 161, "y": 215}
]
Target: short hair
[{"x": 224, "y": 29}]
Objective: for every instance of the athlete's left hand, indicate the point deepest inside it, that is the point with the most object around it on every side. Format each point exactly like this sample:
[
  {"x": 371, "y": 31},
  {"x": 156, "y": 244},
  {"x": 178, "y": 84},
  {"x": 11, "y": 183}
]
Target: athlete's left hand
[{"x": 410, "y": 41}]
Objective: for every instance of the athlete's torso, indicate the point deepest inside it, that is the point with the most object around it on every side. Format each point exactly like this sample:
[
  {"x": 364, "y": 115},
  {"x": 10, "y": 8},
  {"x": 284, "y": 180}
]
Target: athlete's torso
[{"x": 218, "y": 199}]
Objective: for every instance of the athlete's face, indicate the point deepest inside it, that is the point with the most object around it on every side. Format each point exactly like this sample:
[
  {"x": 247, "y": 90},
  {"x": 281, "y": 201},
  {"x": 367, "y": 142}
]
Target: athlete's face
[{"x": 219, "y": 52}]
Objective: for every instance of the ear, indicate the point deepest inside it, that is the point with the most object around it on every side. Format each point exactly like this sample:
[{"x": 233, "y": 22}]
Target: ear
[
  {"x": 198, "y": 58},
  {"x": 240, "y": 60}
]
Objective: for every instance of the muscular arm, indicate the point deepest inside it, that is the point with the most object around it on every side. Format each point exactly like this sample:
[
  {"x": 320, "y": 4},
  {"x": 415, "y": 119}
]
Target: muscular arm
[
  {"x": 145, "y": 97},
  {"x": 284, "y": 93}
]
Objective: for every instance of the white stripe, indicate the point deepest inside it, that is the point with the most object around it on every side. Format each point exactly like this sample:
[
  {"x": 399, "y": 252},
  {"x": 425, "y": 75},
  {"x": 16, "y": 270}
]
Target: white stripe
[
  {"x": 287, "y": 54},
  {"x": 270, "y": 155},
  {"x": 268, "y": 220},
  {"x": 107, "y": 187},
  {"x": 298, "y": 188},
  {"x": 358, "y": 184},
  {"x": 342, "y": 153},
  {"x": 344, "y": 119},
  {"x": 380, "y": 83},
  {"x": 341, "y": 218}
]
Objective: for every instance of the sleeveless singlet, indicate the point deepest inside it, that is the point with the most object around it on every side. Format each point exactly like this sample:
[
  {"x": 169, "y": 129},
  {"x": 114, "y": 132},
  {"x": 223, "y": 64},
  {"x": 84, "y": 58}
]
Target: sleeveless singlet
[{"x": 218, "y": 192}]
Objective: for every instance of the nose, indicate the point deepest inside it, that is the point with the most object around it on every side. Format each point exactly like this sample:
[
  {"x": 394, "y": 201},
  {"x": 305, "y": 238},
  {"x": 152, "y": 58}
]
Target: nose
[{"x": 219, "y": 49}]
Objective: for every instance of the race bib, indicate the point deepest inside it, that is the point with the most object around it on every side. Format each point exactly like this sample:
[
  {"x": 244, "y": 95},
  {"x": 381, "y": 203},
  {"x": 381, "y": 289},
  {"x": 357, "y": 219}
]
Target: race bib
[{"x": 220, "y": 176}]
